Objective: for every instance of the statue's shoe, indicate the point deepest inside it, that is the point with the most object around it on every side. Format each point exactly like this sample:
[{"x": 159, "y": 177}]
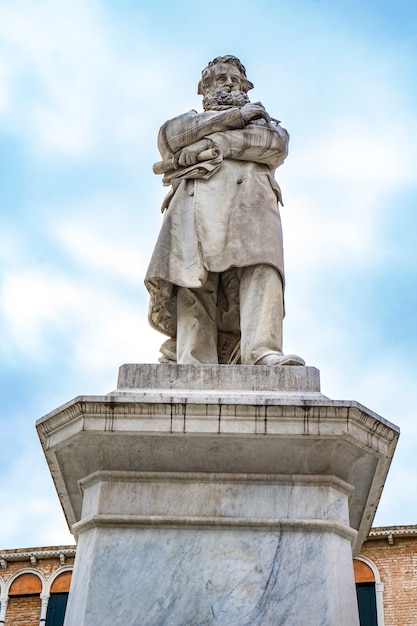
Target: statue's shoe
[{"x": 280, "y": 359}]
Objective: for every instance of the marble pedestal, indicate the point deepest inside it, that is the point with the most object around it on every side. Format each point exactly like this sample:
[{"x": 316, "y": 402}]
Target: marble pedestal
[{"x": 230, "y": 495}]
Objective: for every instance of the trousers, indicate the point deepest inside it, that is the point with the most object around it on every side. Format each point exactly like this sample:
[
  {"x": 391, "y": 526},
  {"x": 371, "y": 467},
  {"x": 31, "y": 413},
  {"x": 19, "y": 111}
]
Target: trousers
[{"x": 256, "y": 314}]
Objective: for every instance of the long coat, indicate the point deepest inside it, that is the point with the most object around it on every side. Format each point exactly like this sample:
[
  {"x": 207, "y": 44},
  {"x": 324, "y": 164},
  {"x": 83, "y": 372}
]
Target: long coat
[{"x": 226, "y": 218}]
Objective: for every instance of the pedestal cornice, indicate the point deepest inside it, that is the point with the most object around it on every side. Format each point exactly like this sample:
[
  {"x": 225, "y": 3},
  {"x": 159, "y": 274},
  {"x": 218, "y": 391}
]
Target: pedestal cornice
[{"x": 281, "y": 425}]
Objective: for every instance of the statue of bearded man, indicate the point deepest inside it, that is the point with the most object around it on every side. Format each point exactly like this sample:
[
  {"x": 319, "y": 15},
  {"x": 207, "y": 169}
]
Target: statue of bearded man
[{"x": 216, "y": 277}]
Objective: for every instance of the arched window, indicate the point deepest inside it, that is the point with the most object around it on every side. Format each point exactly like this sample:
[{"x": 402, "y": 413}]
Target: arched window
[
  {"x": 369, "y": 592},
  {"x": 58, "y": 599},
  {"x": 24, "y": 598},
  {"x": 62, "y": 582},
  {"x": 26, "y": 585}
]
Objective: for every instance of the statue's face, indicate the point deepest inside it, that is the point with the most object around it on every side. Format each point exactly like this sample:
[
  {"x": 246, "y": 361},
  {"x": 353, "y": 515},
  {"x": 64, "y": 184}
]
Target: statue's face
[
  {"x": 224, "y": 88},
  {"x": 227, "y": 77}
]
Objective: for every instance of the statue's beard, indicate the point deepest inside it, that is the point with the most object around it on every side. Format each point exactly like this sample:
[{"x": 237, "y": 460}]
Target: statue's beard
[{"x": 219, "y": 99}]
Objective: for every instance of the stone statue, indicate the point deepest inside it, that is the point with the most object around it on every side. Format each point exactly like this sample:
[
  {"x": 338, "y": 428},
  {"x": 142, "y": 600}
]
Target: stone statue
[{"x": 216, "y": 277}]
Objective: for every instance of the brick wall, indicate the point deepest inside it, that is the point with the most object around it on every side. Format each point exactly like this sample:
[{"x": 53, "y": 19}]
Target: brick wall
[
  {"x": 23, "y": 611},
  {"x": 395, "y": 556},
  {"x": 29, "y": 572}
]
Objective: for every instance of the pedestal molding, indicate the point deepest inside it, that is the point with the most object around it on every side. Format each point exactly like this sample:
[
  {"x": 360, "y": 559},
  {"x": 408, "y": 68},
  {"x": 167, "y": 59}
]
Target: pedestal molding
[
  {"x": 321, "y": 480},
  {"x": 273, "y": 416},
  {"x": 219, "y": 523},
  {"x": 131, "y": 432}
]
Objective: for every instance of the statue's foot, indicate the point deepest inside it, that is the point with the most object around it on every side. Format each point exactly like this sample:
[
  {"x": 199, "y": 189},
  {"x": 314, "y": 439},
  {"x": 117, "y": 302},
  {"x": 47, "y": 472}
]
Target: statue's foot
[{"x": 280, "y": 359}]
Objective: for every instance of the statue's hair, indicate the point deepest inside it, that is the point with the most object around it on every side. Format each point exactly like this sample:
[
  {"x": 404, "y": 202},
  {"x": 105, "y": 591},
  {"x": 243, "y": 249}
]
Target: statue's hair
[{"x": 207, "y": 73}]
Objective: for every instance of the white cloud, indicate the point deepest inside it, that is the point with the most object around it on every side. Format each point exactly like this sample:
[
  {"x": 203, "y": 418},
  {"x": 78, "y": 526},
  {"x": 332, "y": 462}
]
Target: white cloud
[
  {"x": 116, "y": 336},
  {"x": 43, "y": 310},
  {"x": 28, "y": 488},
  {"x": 398, "y": 501},
  {"x": 104, "y": 251},
  {"x": 67, "y": 88},
  {"x": 32, "y": 303},
  {"x": 367, "y": 151},
  {"x": 55, "y": 52},
  {"x": 337, "y": 186},
  {"x": 12, "y": 249},
  {"x": 4, "y": 92}
]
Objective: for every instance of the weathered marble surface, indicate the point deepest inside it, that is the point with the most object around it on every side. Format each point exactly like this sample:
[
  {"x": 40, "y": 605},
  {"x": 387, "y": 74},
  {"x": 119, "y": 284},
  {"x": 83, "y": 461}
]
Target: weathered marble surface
[
  {"x": 216, "y": 498},
  {"x": 213, "y": 549},
  {"x": 284, "y": 380},
  {"x": 216, "y": 506},
  {"x": 161, "y": 576}
]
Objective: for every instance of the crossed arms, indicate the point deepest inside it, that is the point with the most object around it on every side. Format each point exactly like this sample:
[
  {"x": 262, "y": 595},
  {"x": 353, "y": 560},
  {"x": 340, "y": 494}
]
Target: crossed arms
[{"x": 246, "y": 134}]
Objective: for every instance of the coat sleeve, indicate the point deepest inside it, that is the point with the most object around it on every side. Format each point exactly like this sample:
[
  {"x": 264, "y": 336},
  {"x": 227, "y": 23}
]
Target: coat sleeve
[
  {"x": 266, "y": 144},
  {"x": 190, "y": 127}
]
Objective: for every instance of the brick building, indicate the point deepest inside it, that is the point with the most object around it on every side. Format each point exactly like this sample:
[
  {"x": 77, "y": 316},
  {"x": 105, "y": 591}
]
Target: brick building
[
  {"x": 34, "y": 582},
  {"x": 34, "y": 585},
  {"x": 386, "y": 576}
]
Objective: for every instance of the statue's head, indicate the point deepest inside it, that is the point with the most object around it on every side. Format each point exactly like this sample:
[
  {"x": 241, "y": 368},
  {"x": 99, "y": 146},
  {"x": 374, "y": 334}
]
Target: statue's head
[{"x": 224, "y": 83}]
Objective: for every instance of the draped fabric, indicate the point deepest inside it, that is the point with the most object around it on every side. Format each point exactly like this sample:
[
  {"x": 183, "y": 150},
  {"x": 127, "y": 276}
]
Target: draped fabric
[{"x": 227, "y": 217}]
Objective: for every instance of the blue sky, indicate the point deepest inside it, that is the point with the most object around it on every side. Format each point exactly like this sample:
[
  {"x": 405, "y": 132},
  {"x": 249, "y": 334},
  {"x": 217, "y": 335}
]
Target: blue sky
[{"x": 84, "y": 87}]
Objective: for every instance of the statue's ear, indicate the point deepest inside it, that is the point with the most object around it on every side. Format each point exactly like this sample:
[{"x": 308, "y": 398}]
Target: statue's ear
[
  {"x": 247, "y": 85},
  {"x": 200, "y": 88}
]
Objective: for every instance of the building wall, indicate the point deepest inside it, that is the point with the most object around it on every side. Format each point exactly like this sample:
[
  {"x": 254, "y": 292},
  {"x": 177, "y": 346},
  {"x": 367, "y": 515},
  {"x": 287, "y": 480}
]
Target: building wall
[
  {"x": 23, "y": 610},
  {"x": 27, "y": 579},
  {"x": 395, "y": 556}
]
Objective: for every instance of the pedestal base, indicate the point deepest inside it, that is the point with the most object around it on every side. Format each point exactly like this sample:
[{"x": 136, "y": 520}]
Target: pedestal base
[
  {"x": 196, "y": 500},
  {"x": 213, "y": 548}
]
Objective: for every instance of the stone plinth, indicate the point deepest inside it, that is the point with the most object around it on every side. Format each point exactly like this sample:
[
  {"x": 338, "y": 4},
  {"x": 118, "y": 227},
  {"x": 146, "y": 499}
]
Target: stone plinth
[{"x": 229, "y": 495}]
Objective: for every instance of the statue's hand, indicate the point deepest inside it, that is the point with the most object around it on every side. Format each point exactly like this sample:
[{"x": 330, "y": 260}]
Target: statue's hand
[
  {"x": 189, "y": 154},
  {"x": 254, "y": 111}
]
